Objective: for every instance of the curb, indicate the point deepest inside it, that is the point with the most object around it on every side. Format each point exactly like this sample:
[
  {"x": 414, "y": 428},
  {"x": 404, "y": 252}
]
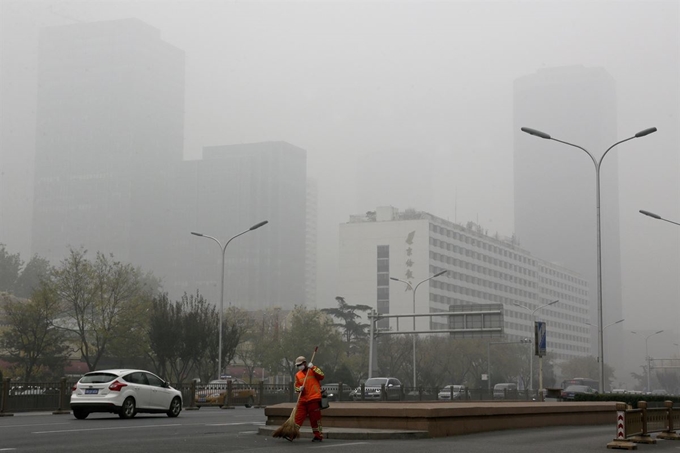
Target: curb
[{"x": 353, "y": 433}]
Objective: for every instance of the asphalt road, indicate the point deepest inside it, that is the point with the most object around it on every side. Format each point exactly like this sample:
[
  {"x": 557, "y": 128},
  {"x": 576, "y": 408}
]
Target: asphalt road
[{"x": 213, "y": 430}]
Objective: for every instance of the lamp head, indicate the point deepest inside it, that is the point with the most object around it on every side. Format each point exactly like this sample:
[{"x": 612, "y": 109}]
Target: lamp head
[
  {"x": 536, "y": 133},
  {"x": 650, "y": 214},
  {"x": 196, "y": 234},
  {"x": 258, "y": 225},
  {"x": 648, "y": 131}
]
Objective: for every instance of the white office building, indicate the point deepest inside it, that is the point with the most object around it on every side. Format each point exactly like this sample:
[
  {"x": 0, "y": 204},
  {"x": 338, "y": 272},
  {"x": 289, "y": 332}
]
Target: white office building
[{"x": 481, "y": 270}]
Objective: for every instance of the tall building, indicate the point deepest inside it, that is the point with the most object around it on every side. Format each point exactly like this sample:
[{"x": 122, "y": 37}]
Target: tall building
[
  {"x": 310, "y": 245},
  {"x": 110, "y": 120},
  {"x": 555, "y": 194},
  {"x": 231, "y": 189},
  {"x": 480, "y": 269}
]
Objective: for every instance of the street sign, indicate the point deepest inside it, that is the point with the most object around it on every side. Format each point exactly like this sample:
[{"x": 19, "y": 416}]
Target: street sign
[{"x": 539, "y": 338}]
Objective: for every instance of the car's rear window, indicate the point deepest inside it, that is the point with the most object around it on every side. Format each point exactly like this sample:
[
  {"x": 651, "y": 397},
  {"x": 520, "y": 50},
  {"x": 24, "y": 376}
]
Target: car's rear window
[{"x": 97, "y": 378}]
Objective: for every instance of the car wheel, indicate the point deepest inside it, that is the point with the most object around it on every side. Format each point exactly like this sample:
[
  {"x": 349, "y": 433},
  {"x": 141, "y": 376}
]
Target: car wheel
[
  {"x": 250, "y": 402},
  {"x": 128, "y": 409},
  {"x": 80, "y": 414},
  {"x": 175, "y": 407}
]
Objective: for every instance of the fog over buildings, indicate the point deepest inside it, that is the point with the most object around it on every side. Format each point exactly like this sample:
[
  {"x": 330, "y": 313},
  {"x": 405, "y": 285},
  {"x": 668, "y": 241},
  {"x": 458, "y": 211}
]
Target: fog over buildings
[{"x": 128, "y": 125}]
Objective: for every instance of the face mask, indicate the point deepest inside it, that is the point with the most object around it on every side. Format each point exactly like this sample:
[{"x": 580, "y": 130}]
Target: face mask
[{"x": 301, "y": 367}]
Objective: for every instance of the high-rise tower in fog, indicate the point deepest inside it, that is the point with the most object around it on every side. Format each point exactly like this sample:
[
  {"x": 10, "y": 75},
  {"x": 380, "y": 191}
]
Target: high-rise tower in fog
[
  {"x": 555, "y": 199},
  {"x": 110, "y": 120},
  {"x": 232, "y": 188}
]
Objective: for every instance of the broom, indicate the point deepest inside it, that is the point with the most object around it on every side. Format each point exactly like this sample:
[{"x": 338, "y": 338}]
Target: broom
[{"x": 289, "y": 430}]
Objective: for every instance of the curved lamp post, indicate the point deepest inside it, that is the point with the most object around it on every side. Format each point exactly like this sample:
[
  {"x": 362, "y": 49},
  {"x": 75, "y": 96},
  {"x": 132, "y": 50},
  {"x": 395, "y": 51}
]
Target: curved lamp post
[
  {"x": 531, "y": 358},
  {"x": 414, "y": 312},
  {"x": 598, "y": 164},
  {"x": 657, "y": 216},
  {"x": 647, "y": 353},
  {"x": 224, "y": 249}
]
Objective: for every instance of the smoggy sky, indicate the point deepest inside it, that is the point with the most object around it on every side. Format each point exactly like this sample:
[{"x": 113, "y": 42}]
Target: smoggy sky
[{"x": 428, "y": 83}]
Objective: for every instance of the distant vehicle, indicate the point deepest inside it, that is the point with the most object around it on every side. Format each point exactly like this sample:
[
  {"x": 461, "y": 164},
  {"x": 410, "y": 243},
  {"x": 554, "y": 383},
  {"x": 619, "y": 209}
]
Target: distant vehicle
[
  {"x": 458, "y": 392},
  {"x": 570, "y": 392},
  {"x": 660, "y": 392},
  {"x": 215, "y": 392},
  {"x": 373, "y": 386},
  {"x": 333, "y": 391},
  {"x": 592, "y": 383},
  {"x": 623, "y": 391},
  {"x": 504, "y": 389},
  {"x": 124, "y": 392}
]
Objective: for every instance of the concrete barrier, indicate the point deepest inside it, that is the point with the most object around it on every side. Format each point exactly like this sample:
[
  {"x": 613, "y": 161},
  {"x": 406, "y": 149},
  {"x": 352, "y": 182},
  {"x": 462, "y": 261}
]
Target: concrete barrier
[{"x": 441, "y": 419}]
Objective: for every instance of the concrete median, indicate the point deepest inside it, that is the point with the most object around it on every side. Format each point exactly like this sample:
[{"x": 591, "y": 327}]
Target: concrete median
[{"x": 353, "y": 420}]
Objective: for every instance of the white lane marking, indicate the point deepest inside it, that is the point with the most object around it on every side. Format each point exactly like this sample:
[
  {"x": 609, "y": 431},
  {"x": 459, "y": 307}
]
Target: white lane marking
[
  {"x": 33, "y": 424},
  {"x": 7, "y": 449},
  {"x": 247, "y": 432},
  {"x": 236, "y": 424},
  {"x": 341, "y": 445},
  {"x": 105, "y": 429}
]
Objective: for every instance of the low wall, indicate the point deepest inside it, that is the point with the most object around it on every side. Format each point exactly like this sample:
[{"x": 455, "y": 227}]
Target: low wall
[{"x": 440, "y": 419}]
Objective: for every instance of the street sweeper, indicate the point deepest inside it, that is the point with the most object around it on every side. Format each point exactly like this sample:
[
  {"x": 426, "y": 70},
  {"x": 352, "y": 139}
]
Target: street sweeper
[{"x": 308, "y": 386}]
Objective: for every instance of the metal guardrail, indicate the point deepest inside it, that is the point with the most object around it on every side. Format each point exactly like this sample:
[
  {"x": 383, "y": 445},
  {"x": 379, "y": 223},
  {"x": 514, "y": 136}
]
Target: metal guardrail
[
  {"x": 55, "y": 396},
  {"x": 635, "y": 426}
]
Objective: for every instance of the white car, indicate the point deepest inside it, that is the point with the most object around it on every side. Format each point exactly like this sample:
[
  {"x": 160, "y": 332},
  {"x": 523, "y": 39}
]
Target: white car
[
  {"x": 457, "y": 391},
  {"x": 124, "y": 392},
  {"x": 373, "y": 389}
]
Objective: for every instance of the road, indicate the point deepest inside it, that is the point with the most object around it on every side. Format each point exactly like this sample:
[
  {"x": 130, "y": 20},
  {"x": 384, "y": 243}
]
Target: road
[{"x": 212, "y": 430}]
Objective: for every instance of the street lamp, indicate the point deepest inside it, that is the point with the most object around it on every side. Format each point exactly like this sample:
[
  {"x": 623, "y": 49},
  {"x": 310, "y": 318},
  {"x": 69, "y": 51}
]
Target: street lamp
[
  {"x": 647, "y": 353},
  {"x": 414, "y": 312},
  {"x": 540, "y": 358},
  {"x": 604, "y": 329},
  {"x": 657, "y": 216},
  {"x": 598, "y": 164},
  {"x": 488, "y": 356},
  {"x": 224, "y": 249}
]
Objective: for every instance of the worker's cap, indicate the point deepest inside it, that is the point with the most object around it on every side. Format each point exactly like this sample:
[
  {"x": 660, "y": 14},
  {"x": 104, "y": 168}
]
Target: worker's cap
[{"x": 300, "y": 360}]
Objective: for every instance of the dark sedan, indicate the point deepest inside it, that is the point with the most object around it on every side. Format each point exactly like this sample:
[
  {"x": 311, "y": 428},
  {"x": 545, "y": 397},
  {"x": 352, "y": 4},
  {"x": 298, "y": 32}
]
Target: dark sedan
[{"x": 570, "y": 392}]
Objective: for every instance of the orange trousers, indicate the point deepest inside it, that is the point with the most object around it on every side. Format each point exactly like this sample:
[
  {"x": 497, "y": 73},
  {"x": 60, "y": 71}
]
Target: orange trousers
[{"x": 313, "y": 410}]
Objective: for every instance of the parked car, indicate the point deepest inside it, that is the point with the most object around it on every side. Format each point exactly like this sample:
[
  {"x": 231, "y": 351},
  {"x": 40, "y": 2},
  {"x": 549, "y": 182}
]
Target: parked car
[
  {"x": 457, "y": 392},
  {"x": 373, "y": 386},
  {"x": 124, "y": 392},
  {"x": 333, "y": 391},
  {"x": 505, "y": 390},
  {"x": 570, "y": 392},
  {"x": 215, "y": 392}
]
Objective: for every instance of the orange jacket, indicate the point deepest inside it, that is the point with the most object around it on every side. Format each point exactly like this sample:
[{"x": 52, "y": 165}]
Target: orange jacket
[{"x": 312, "y": 390}]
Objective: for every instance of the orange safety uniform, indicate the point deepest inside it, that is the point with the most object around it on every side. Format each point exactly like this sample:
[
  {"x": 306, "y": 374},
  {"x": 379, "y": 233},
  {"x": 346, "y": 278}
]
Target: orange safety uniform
[
  {"x": 312, "y": 385},
  {"x": 309, "y": 403}
]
